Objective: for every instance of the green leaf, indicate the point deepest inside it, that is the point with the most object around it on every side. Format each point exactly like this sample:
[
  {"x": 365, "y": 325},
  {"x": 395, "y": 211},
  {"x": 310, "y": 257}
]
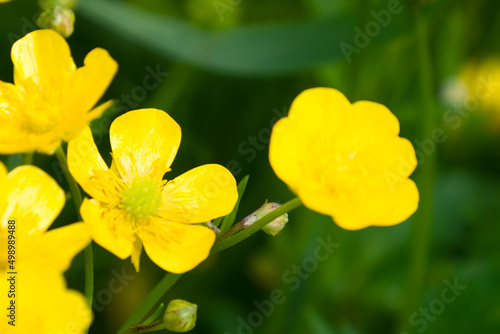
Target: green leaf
[
  {"x": 154, "y": 316},
  {"x": 228, "y": 221},
  {"x": 252, "y": 50}
]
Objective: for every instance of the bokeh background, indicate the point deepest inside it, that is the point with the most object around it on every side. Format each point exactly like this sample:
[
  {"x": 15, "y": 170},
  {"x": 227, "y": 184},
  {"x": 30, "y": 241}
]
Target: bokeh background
[{"x": 226, "y": 70}]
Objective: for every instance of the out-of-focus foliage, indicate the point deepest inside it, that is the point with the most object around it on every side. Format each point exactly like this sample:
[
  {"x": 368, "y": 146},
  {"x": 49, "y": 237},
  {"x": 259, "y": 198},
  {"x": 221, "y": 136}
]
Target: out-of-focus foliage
[{"x": 226, "y": 71}]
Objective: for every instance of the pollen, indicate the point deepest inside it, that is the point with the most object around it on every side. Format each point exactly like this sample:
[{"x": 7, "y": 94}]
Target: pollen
[{"x": 141, "y": 198}]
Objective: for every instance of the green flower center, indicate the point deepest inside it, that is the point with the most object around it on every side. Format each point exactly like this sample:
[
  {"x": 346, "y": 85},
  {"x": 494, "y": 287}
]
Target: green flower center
[{"x": 141, "y": 198}]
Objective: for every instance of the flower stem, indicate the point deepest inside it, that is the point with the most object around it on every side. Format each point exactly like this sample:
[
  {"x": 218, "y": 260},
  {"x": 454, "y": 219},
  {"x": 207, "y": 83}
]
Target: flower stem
[
  {"x": 224, "y": 243},
  {"x": 149, "y": 302},
  {"x": 422, "y": 223},
  {"x": 28, "y": 158},
  {"x": 77, "y": 199},
  {"x": 169, "y": 280}
]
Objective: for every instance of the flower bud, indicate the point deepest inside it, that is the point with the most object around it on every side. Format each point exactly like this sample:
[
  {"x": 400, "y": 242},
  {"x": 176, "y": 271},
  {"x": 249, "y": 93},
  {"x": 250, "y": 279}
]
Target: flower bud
[
  {"x": 59, "y": 19},
  {"x": 180, "y": 316},
  {"x": 274, "y": 227}
]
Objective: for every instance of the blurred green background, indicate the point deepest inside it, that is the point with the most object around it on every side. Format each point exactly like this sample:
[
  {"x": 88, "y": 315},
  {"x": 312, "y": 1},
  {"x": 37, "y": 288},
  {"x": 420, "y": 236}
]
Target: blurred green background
[{"x": 234, "y": 67}]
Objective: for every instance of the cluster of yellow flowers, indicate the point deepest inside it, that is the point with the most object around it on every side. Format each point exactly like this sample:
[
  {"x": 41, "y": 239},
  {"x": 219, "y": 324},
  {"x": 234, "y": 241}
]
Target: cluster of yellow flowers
[{"x": 334, "y": 155}]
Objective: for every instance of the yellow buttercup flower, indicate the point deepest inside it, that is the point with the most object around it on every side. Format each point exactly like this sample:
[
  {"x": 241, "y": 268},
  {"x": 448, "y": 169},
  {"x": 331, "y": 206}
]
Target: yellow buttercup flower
[
  {"x": 132, "y": 206},
  {"x": 480, "y": 79},
  {"x": 345, "y": 160},
  {"x": 51, "y": 99},
  {"x": 30, "y": 200}
]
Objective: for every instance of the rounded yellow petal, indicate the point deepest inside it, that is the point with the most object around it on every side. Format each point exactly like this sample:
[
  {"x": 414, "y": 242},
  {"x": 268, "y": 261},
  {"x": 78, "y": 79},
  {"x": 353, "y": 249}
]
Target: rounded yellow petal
[
  {"x": 42, "y": 59},
  {"x": 109, "y": 228},
  {"x": 393, "y": 157},
  {"x": 89, "y": 82},
  {"x": 84, "y": 160},
  {"x": 199, "y": 195},
  {"x": 321, "y": 103},
  {"x": 354, "y": 210},
  {"x": 374, "y": 119},
  {"x": 73, "y": 313},
  {"x": 47, "y": 248},
  {"x": 34, "y": 199},
  {"x": 144, "y": 143},
  {"x": 175, "y": 247},
  {"x": 316, "y": 116},
  {"x": 43, "y": 294}
]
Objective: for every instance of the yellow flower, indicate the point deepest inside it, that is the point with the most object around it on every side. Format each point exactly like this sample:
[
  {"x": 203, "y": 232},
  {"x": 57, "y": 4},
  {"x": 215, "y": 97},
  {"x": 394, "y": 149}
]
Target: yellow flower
[
  {"x": 345, "y": 160},
  {"x": 481, "y": 80},
  {"x": 132, "y": 206},
  {"x": 29, "y": 202},
  {"x": 1, "y": 1},
  {"x": 51, "y": 98}
]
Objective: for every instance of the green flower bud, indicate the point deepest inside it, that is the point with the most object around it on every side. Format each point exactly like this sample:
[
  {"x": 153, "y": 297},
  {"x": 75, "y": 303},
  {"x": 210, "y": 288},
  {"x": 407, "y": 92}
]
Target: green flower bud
[
  {"x": 180, "y": 316},
  {"x": 274, "y": 227},
  {"x": 59, "y": 19}
]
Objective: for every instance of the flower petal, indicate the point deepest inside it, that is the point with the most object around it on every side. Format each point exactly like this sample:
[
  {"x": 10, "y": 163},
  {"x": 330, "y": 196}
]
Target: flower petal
[
  {"x": 144, "y": 143},
  {"x": 109, "y": 228},
  {"x": 47, "y": 249},
  {"x": 42, "y": 61},
  {"x": 84, "y": 160},
  {"x": 356, "y": 210},
  {"x": 90, "y": 81},
  {"x": 73, "y": 126},
  {"x": 34, "y": 199},
  {"x": 175, "y": 247},
  {"x": 72, "y": 312},
  {"x": 45, "y": 294},
  {"x": 199, "y": 195},
  {"x": 316, "y": 116},
  {"x": 392, "y": 157},
  {"x": 374, "y": 119}
]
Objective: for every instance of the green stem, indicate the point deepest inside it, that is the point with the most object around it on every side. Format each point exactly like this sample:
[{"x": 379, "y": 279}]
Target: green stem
[
  {"x": 77, "y": 199},
  {"x": 151, "y": 299},
  {"x": 422, "y": 222},
  {"x": 224, "y": 243},
  {"x": 156, "y": 326},
  {"x": 28, "y": 158},
  {"x": 169, "y": 280}
]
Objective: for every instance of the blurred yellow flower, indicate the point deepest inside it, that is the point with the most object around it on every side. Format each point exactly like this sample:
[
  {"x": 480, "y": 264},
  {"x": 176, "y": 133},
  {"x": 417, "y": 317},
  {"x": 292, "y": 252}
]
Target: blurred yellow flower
[
  {"x": 132, "y": 206},
  {"x": 51, "y": 98},
  {"x": 1, "y": 1},
  {"x": 42, "y": 303},
  {"x": 345, "y": 160},
  {"x": 482, "y": 80}
]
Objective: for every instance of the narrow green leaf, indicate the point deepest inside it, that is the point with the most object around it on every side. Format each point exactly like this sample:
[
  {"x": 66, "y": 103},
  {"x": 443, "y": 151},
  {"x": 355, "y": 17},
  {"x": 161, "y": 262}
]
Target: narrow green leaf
[
  {"x": 228, "y": 221},
  {"x": 154, "y": 316},
  {"x": 217, "y": 221},
  {"x": 252, "y": 50}
]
